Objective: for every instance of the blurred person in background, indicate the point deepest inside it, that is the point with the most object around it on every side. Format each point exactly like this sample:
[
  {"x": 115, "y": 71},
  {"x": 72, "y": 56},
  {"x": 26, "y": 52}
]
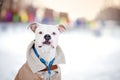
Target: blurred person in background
[{"x": 1, "y": 3}]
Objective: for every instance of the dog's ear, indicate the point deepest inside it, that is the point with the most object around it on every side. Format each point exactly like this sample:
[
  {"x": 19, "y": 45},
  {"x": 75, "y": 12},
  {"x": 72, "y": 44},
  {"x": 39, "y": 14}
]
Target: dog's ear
[
  {"x": 33, "y": 26},
  {"x": 61, "y": 28}
]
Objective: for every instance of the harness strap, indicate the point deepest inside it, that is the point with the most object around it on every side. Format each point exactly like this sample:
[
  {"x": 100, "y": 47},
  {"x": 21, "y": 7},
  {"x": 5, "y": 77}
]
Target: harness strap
[{"x": 48, "y": 65}]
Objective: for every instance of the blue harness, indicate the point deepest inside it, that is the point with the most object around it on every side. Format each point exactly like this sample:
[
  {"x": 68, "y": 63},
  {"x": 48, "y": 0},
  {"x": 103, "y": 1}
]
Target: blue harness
[{"x": 48, "y": 65}]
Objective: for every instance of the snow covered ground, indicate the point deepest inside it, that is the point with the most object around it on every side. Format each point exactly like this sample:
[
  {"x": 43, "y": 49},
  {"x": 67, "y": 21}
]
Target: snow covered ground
[{"x": 88, "y": 57}]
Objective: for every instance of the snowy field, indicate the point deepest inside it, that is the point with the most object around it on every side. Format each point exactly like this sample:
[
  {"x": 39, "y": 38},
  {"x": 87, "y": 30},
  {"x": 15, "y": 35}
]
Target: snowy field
[{"x": 88, "y": 57}]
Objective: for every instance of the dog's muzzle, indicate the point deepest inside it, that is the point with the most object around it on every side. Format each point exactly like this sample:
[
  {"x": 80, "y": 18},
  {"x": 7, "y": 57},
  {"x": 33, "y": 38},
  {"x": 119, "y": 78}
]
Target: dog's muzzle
[{"x": 47, "y": 38}]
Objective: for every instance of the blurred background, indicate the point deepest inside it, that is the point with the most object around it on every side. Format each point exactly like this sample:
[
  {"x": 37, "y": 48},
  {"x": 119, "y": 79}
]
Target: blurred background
[{"x": 91, "y": 43}]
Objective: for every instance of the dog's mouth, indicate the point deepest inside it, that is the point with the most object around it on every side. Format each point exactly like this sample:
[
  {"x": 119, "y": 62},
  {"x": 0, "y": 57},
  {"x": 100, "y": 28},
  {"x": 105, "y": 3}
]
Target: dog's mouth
[{"x": 47, "y": 42}]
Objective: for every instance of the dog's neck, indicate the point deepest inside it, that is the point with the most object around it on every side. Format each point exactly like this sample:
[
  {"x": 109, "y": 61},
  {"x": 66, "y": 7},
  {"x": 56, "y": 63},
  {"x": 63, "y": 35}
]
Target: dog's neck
[{"x": 46, "y": 52}]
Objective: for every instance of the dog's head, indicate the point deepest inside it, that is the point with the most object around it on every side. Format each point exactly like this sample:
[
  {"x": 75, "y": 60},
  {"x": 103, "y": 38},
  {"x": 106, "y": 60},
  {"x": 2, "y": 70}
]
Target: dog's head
[{"x": 46, "y": 35}]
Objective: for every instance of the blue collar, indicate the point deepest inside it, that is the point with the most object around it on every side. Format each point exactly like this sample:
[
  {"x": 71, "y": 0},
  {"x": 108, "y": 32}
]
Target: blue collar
[{"x": 48, "y": 65}]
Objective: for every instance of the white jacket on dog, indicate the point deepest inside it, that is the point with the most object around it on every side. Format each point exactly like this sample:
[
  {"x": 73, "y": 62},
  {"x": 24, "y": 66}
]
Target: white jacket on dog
[{"x": 35, "y": 64}]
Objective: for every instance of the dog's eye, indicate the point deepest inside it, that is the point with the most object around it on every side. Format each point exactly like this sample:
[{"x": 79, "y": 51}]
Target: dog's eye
[
  {"x": 40, "y": 32},
  {"x": 53, "y": 33}
]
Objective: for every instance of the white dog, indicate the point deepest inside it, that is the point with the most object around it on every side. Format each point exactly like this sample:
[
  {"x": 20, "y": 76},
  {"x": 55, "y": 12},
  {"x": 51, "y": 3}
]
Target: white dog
[{"x": 43, "y": 54}]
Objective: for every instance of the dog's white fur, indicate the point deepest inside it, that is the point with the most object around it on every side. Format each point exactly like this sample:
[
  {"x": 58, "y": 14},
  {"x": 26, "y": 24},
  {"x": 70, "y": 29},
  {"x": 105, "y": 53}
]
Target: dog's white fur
[{"x": 46, "y": 51}]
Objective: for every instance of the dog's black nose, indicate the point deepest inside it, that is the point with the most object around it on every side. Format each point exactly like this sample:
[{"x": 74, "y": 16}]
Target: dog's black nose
[{"x": 47, "y": 37}]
